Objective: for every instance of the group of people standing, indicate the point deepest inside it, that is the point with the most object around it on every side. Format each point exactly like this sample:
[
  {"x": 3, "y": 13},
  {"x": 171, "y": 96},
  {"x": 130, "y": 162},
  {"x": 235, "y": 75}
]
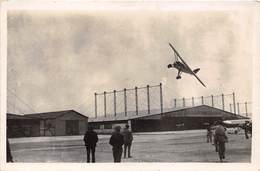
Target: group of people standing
[
  {"x": 117, "y": 140},
  {"x": 216, "y": 134}
]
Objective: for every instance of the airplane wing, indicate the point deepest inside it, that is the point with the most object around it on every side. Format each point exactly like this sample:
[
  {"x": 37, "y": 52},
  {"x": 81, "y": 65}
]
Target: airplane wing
[
  {"x": 175, "y": 51},
  {"x": 236, "y": 121},
  {"x": 186, "y": 64},
  {"x": 198, "y": 78}
]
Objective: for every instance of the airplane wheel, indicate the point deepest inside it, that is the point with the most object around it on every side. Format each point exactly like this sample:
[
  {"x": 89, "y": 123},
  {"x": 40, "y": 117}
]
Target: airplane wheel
[{"x": 178, "y": 77}]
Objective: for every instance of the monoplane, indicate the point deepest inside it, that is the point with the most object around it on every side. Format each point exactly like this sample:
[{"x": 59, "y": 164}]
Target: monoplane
[{"x": 182, "y": 66}]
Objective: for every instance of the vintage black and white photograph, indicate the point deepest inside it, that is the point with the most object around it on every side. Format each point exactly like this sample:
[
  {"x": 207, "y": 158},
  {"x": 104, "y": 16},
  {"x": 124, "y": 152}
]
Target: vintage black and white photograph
[{"x": 130, "y": 84}]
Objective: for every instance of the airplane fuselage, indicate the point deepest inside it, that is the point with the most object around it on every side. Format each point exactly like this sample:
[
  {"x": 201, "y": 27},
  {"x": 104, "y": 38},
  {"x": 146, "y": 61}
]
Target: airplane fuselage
[{"x": 181, "y": 67}]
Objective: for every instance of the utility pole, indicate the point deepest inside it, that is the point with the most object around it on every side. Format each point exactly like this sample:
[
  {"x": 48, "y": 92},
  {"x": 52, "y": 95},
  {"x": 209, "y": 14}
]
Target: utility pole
[
  {"x": 105, "y": 104},
  {"x": 212, "y": 100},
  {"x": 125, "y": 102},
  {"x": 95, "y": 105},
  {"x": 223, "y": 102},
  {"x": 246, "y": 109},
  {"x": 161, "y": 98},
  {"x": 148, "y": 99},
  {"x": 136, "y": 100},
  {"x": 234, "y": 102},
  {"x": 114, "y": 102}
]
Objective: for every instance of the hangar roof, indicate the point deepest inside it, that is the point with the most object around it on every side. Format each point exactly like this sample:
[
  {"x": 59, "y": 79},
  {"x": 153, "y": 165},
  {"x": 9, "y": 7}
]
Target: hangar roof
[
  {"x": 168, "y": 111},
  {"x": 16, "y": 116},
  {"x": 45, "y": 115}
]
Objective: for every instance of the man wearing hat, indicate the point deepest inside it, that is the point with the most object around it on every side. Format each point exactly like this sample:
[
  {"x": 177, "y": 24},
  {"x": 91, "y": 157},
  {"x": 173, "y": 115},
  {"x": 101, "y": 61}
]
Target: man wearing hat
[
  {"x": 221, "y": 138},
  {"x": 128, "y": 138},
  {"x": 90, "y": 140},
  {"x": 117, "y": 141}
]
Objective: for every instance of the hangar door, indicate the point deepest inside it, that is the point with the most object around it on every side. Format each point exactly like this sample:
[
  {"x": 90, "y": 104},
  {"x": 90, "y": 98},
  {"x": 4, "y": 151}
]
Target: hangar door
[{"x": 72, "y": 127}]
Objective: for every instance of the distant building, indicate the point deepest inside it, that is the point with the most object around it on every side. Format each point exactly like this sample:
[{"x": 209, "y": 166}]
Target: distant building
[
  {"x": 185, "y": 118},
  {"x": 59, "y": 123}
]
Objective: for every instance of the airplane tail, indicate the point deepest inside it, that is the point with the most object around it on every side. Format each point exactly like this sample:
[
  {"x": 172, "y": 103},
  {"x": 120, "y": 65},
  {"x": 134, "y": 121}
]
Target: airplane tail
[{"x": 196, "y": 70}]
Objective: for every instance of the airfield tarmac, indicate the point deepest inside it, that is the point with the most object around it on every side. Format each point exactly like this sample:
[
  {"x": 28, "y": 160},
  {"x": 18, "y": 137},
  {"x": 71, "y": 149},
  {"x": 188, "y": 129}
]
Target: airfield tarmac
[{"x": 178, "y": 146}]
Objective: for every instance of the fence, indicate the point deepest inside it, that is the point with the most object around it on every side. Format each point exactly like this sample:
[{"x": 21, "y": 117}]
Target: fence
[
  {"x": 226, "y": 102},
  {"x": 244, "y": 109},
  {"x": 149, "y": 99},
  {"x": 135, "y": 101},
  {"x": 218, "y": 101}
]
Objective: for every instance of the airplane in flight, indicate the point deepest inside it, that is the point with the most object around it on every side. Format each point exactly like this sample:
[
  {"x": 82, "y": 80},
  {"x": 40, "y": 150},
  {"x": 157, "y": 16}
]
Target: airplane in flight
[{"x": 182, "y": 66}]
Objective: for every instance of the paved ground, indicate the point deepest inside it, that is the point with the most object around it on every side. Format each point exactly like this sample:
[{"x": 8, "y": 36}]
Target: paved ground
[{"x": 181, "y": 146}]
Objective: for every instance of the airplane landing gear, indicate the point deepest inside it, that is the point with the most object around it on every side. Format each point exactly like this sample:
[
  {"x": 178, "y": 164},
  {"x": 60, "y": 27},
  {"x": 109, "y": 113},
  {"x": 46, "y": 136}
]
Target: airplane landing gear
[{"x": 179, "y": 75}]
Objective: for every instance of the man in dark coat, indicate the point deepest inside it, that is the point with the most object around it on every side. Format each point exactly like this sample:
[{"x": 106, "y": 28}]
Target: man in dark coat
[
  {"x": 209, "y": 134},
  {"x": 90, "y": 140},
  {"x": 128, "y": 138},
  {"x": 117, "y": 141},
  {"x": 247, "y": 127},
  {"x": 221, "y": 139}
]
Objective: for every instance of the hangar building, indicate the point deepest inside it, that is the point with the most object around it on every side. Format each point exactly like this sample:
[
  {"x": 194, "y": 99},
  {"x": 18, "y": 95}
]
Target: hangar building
[
  {"x": 184, "y": 118},
  {"x": 59, "y": 123}
]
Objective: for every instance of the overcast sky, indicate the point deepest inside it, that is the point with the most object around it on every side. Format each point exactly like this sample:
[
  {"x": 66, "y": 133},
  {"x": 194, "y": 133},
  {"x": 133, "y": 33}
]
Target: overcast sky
[{"x": 57, "y": 60}]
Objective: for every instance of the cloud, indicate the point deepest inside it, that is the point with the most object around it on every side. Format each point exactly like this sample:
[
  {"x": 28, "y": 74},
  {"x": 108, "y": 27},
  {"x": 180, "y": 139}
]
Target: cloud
[{"x": 60, "y": 58}]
